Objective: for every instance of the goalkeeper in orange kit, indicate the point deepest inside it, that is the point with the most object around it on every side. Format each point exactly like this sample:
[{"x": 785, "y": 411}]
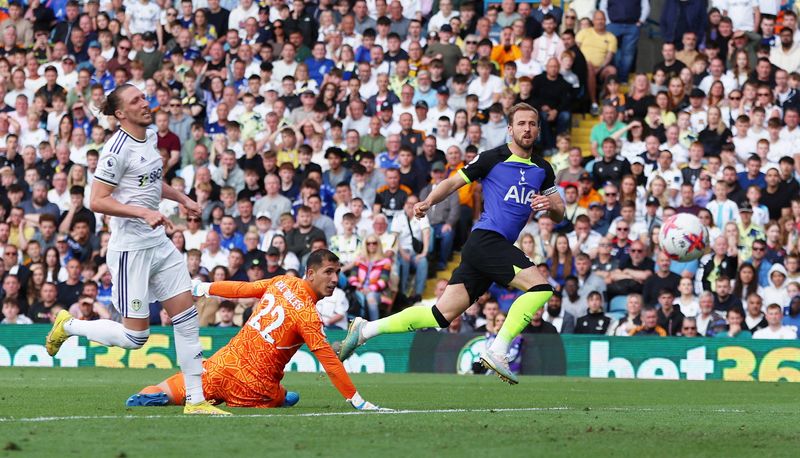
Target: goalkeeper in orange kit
[{"x": 247, "y": 372}]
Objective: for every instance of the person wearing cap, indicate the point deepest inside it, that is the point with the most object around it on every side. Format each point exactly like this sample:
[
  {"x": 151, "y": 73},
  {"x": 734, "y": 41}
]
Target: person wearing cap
[
  {"x": 749, "y": 231},
  {"x": 443, "y": 50},
  {"x": 441, "y": 108},
  {"x": 423, "y": 121},
  {"x": 150, "y": 56},
  {"x": 586, "y": 191}
]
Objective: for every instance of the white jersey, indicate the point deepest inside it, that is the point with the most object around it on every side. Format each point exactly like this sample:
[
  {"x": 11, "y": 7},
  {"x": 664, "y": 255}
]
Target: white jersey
[{"x": 134, "y": 168}]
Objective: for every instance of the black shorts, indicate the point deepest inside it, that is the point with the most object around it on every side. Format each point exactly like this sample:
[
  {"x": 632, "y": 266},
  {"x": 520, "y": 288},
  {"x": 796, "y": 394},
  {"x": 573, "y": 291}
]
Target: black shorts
[{"x": 488, "y": 258}]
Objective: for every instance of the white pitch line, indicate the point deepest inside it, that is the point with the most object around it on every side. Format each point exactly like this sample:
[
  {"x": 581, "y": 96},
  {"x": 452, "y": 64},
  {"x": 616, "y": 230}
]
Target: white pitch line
[{"x": 336, "y": 414}]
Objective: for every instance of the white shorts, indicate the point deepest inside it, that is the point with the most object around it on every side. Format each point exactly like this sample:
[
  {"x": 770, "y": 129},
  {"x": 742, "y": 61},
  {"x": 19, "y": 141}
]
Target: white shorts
[{"x": 142, "y": 276}]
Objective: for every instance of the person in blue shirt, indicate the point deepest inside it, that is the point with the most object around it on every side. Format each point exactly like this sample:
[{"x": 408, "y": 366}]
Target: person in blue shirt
[
  {"x": 516, "y": 181},
  {"x": 318, "y": 64},
  {"x": 229, "y": 238},
  {"x": 753, "y": 175}
]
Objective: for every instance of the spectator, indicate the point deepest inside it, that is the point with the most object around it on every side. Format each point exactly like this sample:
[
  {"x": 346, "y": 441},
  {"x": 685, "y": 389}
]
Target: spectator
[
  {"x": 689, "y": 327},
  {"x": 632, "y": 319},
  {"x": 775, "y": 328},
  {"x": 650, "y": 326},
  {"x": 225, "y": 314},
  {"x": 670, "y": 318},
  {"x": 414, "y": 245},
  {"x": 708, "y": 321},
  {"x": 663, "y": 279},
  {"x": 333, "y": 310},
  {"x": 563, "y": 322},
  {"x": 443, "y": 217},
  {"x": 371, "y": 277},
  {"x": 736, "y": 328},
  {"x": 561, "y": 264},
  {"x": 687, "y": 301},
  {"x": 631, "y": 274},
  {"x": 11, "y": 313},
  {"x": 599, "y": 47},
  {"x": 608, "y": 125},
  {"x": 538, "y": 325},
  {"x": 43, "y": 309},
  {"x": 595, "y": 321},
  {"x": 625, "y": 18}
]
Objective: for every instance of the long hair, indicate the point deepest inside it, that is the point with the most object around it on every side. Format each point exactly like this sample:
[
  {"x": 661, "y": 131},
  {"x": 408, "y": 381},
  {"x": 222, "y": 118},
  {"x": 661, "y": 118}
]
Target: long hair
[
  {"x": 114, "y": 100},
  {"x": 567, "y": 261},
  {"x": 740, "y": 286},
  {"x": 364, "y": 255}
]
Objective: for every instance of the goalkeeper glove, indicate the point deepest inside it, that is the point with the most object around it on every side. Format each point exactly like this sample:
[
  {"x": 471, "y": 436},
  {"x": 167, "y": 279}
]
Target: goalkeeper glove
[
  {"x": 200, "y": 289},
  {"x": 360, "y": 403}
]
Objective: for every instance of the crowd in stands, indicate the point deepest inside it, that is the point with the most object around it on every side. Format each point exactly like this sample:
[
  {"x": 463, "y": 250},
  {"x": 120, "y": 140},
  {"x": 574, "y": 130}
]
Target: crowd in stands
[{"x": 298, "y": 125}]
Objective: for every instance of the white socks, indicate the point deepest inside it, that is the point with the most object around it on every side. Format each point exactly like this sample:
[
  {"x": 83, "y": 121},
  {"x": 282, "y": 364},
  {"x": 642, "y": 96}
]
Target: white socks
[
  {"x": 499, "y": 346},
  {"x": 186, "y": 326},
  {"x": 107, "y": 332},
  {"x": 370, "y": 330}
]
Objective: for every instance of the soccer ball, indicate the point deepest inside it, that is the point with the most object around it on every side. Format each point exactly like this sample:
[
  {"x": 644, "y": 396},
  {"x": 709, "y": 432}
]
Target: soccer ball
[{"x": 684, "y": 237}]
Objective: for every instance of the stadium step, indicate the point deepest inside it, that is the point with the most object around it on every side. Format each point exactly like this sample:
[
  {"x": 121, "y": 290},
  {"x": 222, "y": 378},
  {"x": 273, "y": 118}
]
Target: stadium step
[{"x": 430, "y": 285}]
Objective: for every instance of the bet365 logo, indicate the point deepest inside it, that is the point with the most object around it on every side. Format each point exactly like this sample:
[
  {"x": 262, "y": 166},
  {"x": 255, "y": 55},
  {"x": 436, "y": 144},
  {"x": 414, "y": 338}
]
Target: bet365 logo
[{"x": 151, "y": 177}]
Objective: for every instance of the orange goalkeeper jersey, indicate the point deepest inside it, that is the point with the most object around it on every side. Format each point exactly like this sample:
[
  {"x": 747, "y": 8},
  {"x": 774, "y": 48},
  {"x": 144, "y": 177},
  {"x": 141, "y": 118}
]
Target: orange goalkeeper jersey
[{"x": 252, "y": 363}]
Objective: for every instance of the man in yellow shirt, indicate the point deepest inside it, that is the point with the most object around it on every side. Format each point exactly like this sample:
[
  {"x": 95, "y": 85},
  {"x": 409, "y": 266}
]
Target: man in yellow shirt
[
  {"x": 506, "y": 51},
  {"x": 598, "y": 46}
]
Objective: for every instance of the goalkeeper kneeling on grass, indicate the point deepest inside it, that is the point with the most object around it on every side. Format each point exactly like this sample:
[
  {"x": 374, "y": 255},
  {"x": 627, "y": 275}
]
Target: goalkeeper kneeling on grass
[{"x": 247, "y": 372}]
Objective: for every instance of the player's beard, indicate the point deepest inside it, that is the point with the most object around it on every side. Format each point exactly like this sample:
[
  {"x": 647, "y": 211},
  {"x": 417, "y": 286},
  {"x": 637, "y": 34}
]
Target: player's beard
[
  {"x": 143, "y": 118},
  {"x": 524, "y": 142}
]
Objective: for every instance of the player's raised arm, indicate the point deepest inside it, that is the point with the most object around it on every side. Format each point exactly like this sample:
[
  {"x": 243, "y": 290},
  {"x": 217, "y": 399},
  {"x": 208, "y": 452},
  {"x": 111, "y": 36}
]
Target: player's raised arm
[{"x": 230, "y": 289}]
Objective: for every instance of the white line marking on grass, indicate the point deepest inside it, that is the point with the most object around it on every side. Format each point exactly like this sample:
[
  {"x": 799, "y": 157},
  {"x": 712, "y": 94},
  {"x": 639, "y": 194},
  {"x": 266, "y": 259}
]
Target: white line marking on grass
[{"x": 336, "y": 414}]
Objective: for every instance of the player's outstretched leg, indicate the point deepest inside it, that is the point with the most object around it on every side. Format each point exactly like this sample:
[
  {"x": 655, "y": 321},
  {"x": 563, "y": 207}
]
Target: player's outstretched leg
[
  {"x": 453, "y": 302},
  {"x": 519, "y": 316},
  {"x": 106, "y": 332}
]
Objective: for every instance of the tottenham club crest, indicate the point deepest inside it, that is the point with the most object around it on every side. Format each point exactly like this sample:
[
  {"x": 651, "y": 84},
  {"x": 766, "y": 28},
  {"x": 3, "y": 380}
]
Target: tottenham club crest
[{"x": 522, "y": 181}]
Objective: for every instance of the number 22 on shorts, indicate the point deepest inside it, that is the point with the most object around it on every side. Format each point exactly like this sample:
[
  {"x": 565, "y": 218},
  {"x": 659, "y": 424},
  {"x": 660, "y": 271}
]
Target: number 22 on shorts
[{"x": 277, "y": 313}]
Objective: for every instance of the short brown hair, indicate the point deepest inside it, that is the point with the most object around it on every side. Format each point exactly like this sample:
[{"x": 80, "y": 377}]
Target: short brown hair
[{"x": 521, "y": 107}]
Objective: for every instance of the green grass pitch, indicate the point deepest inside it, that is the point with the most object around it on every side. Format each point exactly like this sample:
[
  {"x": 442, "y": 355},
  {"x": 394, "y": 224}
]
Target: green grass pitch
[{"x": 81, "y": 412}]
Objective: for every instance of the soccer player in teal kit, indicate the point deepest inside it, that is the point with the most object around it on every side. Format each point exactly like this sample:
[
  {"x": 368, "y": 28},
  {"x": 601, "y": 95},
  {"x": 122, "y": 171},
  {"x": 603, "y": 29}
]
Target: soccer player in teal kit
[{"x": 516, "y": 181}]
